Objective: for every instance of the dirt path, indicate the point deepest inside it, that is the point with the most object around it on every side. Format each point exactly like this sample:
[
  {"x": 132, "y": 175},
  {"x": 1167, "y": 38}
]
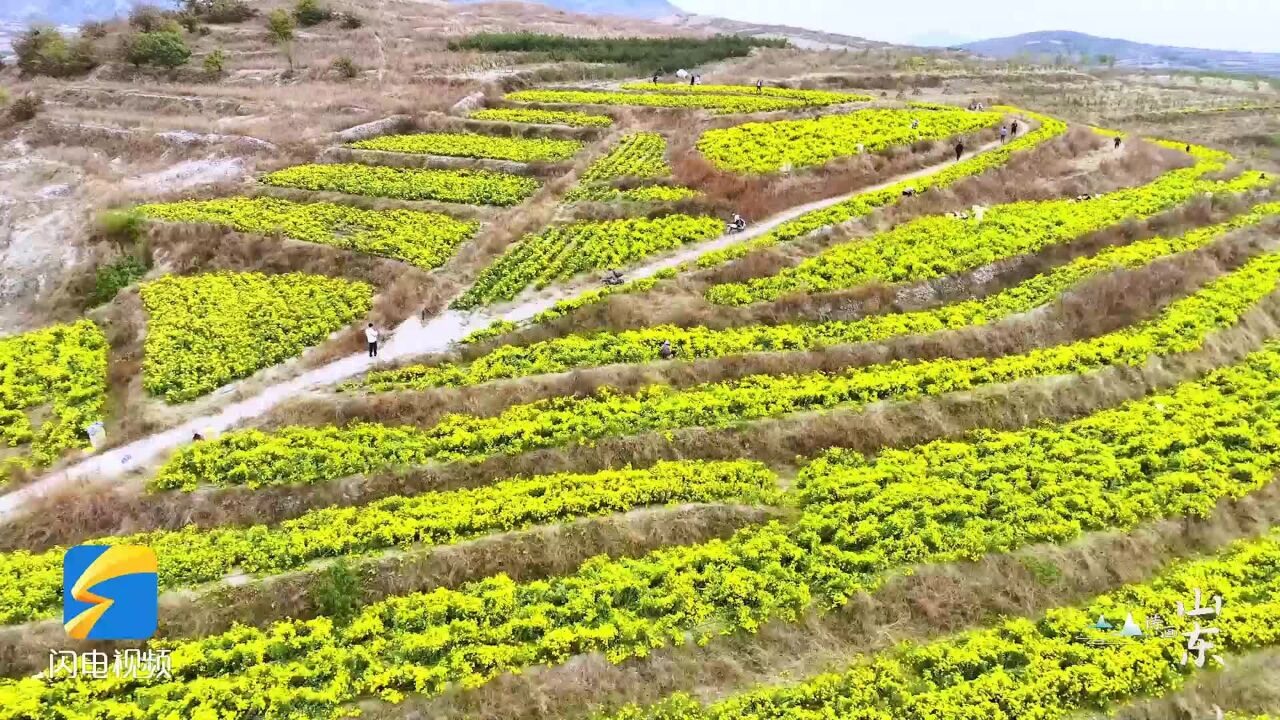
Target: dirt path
[{"x": 412, "y": 338}]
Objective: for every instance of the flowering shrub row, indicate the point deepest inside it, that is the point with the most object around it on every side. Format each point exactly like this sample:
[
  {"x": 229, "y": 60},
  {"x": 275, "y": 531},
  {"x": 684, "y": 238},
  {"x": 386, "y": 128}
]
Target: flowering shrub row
[
  {"x": 720, "y": 104},
  {"x": 31, "y": 583},
  {"x": 474, "y": 187},
  {"x": 767, "y": 147},
  {"x": 472, "y": 145},
  {"x": 864, "y": 203},
  {"x": 1053, "y": 668},
  {"x": 638, "y": 155},
  {"x": 809, "y": 97},
  {"x": 561, "y": 252},
  {"x": 1174, "y": 454},
  {"x": 424, "y": 239},
  {"x": 542, "y": 117}
]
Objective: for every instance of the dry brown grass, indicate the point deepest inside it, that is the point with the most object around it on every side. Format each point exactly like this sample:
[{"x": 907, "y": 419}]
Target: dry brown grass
[
  {"x": 934, "y": 601},
  {"x": 523, "y": 556}
]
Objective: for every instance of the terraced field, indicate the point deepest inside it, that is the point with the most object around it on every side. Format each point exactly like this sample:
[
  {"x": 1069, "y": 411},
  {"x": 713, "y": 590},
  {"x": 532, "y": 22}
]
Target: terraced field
[
  {"x": 423, "y": 239},
  {"x": 562, "y": 514},
  {"x": 637, "y": 156},
  {"x": 562, "y": 252},
  {"x": 472, "y": 145},
  {"x": 542, "y": 117},
  {"x": 792, "y": 144},
  {"x": 938, "y": 246}
]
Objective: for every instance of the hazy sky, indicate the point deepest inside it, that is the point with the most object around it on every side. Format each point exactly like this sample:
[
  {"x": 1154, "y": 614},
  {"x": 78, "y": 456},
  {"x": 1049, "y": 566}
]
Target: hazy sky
[{"x": 1219, "y": 24}]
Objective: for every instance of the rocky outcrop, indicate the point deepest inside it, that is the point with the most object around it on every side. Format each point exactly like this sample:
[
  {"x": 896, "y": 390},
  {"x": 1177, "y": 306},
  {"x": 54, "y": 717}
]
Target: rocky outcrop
[{"x": 385, "y": 126}]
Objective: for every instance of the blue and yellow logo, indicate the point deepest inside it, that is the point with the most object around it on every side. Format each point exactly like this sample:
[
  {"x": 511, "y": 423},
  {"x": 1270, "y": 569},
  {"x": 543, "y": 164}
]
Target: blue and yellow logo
[{"x": 110, "y": 592}]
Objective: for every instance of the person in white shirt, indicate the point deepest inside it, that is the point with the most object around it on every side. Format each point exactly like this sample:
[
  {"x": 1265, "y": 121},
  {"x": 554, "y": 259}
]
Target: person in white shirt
[{"x": 371, "y": 334}]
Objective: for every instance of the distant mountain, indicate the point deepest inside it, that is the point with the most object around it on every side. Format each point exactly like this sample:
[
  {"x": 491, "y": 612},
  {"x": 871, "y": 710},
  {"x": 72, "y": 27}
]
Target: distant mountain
[
  {"x": 1074, "y": 45},
  {"x": 647, "y": 9}
]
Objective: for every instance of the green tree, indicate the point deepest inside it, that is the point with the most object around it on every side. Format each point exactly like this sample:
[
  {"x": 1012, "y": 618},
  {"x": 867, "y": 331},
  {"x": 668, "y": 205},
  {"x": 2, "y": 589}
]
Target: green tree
[
  {"x": 163, "y": 49},
  {"x": 213, "y": 62},
  {"x": 310, "y": 12},
  {"x": 280, "y": 26}
]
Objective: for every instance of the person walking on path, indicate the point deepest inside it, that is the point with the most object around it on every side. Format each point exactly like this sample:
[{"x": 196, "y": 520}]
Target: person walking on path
[
  {"x": 371, "y": 334},
  {"x": 1117, "y": 142},
  {"x": 759, "y": 87},
  {"x": 655, "y": 77},
  {"x": 1013, "y": 129},
  {"x": 1004, "y": 135},
  {"x": 959, "y": 150},
  {"x": 692, "y": 78}
]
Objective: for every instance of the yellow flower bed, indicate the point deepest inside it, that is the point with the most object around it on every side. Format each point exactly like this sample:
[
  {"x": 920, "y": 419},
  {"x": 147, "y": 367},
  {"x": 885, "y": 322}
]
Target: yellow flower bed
[
  {"x": 63, "y": 367},
  {"x": 772, "y": 146},
  {"x": 720, "y": 104},
  {"x": 473, "y": 187},
  {"x": 542, "y": 117},
  {"x": 638, "y": 155},
  {"x": 204, "y": 331},
  {"x": 809, "y": 97},
  {"x": 561, "y": 252},
  {"x": 864, "y": 203},
  {"x": 424, "y": 239},
  {"x": 471, "y": 145}
]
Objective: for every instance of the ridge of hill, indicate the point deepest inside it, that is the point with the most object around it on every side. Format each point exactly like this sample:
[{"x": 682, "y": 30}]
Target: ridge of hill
[{"x": 1127, "y": 53}]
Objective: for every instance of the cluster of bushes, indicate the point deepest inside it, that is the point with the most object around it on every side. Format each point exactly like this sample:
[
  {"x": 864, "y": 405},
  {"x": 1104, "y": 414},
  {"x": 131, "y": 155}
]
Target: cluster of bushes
[
  {"x": 219, "y": 11},
  {"x": 157, "y": 37},
  {"x": 46, "y": 51},
  {"x": 21, "y": 109},
  {"x": 642, "y": 52}
]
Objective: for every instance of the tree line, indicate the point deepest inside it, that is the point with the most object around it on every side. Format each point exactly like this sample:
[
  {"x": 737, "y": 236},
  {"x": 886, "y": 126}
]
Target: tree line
[{"x": 646, "y": 53}]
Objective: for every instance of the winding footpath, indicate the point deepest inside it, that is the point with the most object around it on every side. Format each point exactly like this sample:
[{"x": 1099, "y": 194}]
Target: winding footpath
[{"x": 410, "y": 339}]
